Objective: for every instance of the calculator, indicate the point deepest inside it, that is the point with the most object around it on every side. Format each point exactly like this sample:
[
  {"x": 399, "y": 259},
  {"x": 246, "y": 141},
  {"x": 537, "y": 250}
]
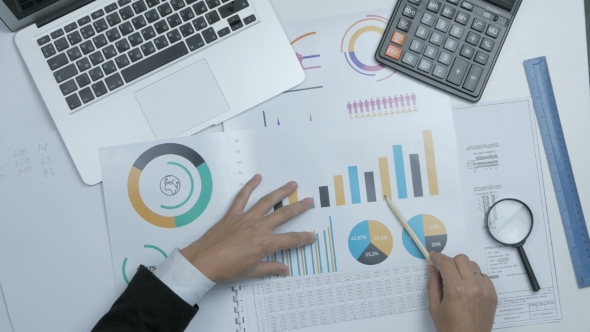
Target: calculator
[{"x": 450, "y": 44}]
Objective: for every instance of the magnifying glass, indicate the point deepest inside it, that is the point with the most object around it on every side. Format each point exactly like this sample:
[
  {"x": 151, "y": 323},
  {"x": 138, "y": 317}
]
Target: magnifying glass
[{"x": 510, "y": 222}]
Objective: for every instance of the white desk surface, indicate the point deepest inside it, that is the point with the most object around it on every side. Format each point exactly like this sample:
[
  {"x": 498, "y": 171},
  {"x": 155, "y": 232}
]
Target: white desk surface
[{"x": 540, "y": 29}]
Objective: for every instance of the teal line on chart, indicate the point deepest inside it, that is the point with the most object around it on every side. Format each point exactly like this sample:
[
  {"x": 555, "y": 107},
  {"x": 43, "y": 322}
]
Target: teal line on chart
[
  {"x": 192, "y": 187},
  {"x": 317, "y": 238},
  {"x": 326, "y": 246},
  {"x": 333, "y": 247},
  {"x": 298, "y": 264},
  {"x": 400, "y": 172}
]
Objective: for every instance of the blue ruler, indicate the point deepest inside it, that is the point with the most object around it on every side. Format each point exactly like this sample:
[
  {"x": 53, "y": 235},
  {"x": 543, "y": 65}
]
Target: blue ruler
[{"x": 560, "y": 166}]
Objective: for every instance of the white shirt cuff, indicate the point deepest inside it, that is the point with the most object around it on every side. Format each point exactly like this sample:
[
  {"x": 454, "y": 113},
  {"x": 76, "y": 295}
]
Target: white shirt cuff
[{"x": 183, "y": 278}]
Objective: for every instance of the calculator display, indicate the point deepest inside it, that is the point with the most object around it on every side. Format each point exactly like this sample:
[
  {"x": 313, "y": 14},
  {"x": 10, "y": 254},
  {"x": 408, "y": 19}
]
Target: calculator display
[{"x": 504, "y": 4}]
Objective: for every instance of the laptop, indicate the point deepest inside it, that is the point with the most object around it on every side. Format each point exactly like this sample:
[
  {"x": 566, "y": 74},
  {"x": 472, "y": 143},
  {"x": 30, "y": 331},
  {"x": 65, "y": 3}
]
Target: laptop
[{"x": 115, "y": 72}]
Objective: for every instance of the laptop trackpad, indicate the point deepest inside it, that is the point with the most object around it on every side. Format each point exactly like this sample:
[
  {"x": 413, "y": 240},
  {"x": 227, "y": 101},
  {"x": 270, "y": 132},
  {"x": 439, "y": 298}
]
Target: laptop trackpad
[{"x": 182, "y": 100}]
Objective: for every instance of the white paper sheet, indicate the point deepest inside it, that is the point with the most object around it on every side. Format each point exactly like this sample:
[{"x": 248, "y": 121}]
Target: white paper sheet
[
  {"x": 55, "y": 265},
  {"x": 499, "y": 158},
  {"x": 343, "y": 79}
]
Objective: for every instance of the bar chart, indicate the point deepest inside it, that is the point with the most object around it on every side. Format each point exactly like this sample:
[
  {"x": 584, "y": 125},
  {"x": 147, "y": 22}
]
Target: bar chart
[{"x": 316, "y": 258}]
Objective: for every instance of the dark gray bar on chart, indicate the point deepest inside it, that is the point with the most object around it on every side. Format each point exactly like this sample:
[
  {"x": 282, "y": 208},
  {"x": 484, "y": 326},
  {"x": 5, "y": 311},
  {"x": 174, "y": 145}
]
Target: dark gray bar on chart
[
  {"x": 324, "y": 197},
  {"x": 278, "y": 205},
  {"x": 370, "y": 184},
  {"x": 416, "y": 176}
]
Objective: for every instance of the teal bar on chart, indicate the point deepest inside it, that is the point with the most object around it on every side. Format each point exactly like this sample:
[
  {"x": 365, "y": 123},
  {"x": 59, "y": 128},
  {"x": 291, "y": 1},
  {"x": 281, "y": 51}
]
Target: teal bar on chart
[
  {"x": 400, "y": 172},
  {"x": 355, "y": 190}
]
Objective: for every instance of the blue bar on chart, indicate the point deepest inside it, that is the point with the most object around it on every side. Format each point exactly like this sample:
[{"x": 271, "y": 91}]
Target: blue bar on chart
[
  {"x": 370, "y": 187},
  {"x": 324, "y": 197},
  {"x": 355, "y": 191},
  {"x": 416, "y": 175},
  {"x": 400, "y": 172}
]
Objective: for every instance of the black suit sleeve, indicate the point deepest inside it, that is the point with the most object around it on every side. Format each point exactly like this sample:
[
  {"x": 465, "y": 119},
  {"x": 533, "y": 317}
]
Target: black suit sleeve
[{"x": 147, "y": 305}]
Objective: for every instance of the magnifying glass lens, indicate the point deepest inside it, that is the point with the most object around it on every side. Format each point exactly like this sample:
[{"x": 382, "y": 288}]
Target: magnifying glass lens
[{"x": 510, "y": 222}]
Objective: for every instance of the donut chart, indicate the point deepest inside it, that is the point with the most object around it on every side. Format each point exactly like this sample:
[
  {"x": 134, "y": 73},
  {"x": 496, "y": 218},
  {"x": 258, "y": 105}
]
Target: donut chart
[
  {"x": 192, "y": 161},
  {"x": 431, "y": 232},
  {"x": 370, "y": 242}
]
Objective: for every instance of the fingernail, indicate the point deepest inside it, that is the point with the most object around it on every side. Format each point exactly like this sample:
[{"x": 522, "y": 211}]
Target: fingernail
[
  {"x": 292, "y": 184},
  {"x": 257, "y": 177},
  {"x": 312, "y": 235},
  {"x": 308, "y": 200},
  {"x": 284, "y": 273}
]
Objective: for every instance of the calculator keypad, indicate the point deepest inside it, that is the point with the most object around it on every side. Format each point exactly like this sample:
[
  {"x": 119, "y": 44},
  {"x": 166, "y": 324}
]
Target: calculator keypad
[{"x": 444, "y": 41}]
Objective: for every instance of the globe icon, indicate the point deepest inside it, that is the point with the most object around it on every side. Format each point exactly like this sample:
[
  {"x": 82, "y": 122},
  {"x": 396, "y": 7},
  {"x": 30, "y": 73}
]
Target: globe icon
[{"x": 170, "y": 185}]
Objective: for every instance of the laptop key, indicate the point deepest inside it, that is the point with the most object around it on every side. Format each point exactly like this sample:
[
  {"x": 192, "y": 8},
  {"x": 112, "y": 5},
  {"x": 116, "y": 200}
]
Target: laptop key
[
  {"x": 95, "y": 74},
  {"x": 190, "y": 2},
  {"x": 68, "y": 87},
  {"x": 43, "y": 40},
  {"x": 100, "y": 41},
  {"x": 87, "y": 31},
  {"x": 57, "y": 61},
  {"x": 135, "y": 39},
  {"x": 96, "y": 58},
  {"x": 195, "y": 42},
  {"x": 65, "y": 73},
  {"x": 126, "y": 13},
  {"x": 114, "y": 81},
  {"x": 113, "y": 34},
  {"x": 139, "y": 6},
  {"x": 152, "y": 16},
  {"x": 232, "y": 8},
  {"x": 99, "y": 89},
  {"x": 148, "y": 33},
  {"x": 174, "y": 20},
  {"x": 48, "y": 50},
  {"x": 200, "y": 8},
  {"x": 87, "y": 47},
  {"x": 212, "y": 3},
  {"x": 154, "y": 62},
  {"x": 109, "y": 67},
  {"x": 110, "y": 7},
  {"x": 186, "y": 30},
  {"x": 187, "y": 14},
  {"x": 74, "y": 38},
  {"x": 86, "y": 95},
  {"x": 235, "y": 23},
  {"x": 100, "y": 25},
  {"x": 200, "y": 23},
  {"x": 97, "y": 14},
  {"x": 73, "y": 102},
  {"x": 138, "y": 23},
  {"x": 57, "y": 33},
  {"x": 165, "y": 10},
  {"x": 173, "y": 36},
  {"x": 177, "y": 4},
  {"x": 113, "y": 19},
  {"x": 250, "y": 19},
  {"x": 161, "y": 26},
  {"x": 148, "y": 48},
  {"x": 123, "y": 2},
  {"x": 212, "y": 17},
  {"x": 83, "y": 80},
  {"x": 152, "y": 3},
  {"x": 61, "y": 44},
  {"x": 135, "y": 55},
  {"x": 122, "y": 61},
  {"x": 223, "y": 32},
  {"x": 83, "y": 64},
  {"x": 161, "y": 42},
  {"x": 122, "y": 46},
  {"x": 70, "y": 27},
  {"x": 109, "y": 52},
  {"x": 126, "y": 28},
  {"x": 209, "y": 35},
  {"x": 74, "y": 53}
]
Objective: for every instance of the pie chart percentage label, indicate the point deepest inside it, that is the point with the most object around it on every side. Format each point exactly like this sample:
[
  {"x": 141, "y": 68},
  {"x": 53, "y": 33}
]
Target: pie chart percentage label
[
  {"x": 370, "y": 242},
  {"x": 431, "y": 232}
]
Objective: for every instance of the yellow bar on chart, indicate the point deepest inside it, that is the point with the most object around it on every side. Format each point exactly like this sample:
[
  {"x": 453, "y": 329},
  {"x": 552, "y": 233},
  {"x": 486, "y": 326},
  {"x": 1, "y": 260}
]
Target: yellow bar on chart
[
  {"x": 339, "y": 188},
  {"x": 430, "y": 162},
  {"x": 385, "y": 180},
  {"x": 293, "y": 198}
]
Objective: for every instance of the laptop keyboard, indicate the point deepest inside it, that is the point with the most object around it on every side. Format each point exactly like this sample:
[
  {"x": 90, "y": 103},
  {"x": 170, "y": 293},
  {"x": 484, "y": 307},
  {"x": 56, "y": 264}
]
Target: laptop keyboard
[{"x": 124, "y": 41}]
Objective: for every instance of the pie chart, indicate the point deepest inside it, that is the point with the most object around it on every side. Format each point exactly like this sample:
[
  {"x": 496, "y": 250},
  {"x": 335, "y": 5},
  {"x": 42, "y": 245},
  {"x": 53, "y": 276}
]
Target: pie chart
[
  {"x": 431, "y": 232},
  {"x": 370, "y": 242}
]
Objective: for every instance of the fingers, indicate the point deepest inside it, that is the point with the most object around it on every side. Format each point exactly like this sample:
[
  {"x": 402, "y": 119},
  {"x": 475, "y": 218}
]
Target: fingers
[
  {"x": 265, "y": 269},
  {"x": 267, "y": 202},
  {"x": 446, "y": 265},
  {"x": 287, "y": 213},
  {"x": 435, "y": 290},
  {"x": 243, "y": 196},
  {"x": 475, "y": 267},
  {"x": 464, "y": 266},
  {"x": 292, "y": 240}
]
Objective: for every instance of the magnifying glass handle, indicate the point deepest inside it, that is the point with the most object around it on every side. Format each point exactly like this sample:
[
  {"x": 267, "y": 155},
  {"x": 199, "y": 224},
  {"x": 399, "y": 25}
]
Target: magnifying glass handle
[{"x": 529, "y": 269}]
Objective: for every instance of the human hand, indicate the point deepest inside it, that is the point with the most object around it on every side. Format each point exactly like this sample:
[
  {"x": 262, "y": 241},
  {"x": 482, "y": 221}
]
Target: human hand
[
  {"x": 235, "y": 246},
  {"x": 462, "y": 299}
]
